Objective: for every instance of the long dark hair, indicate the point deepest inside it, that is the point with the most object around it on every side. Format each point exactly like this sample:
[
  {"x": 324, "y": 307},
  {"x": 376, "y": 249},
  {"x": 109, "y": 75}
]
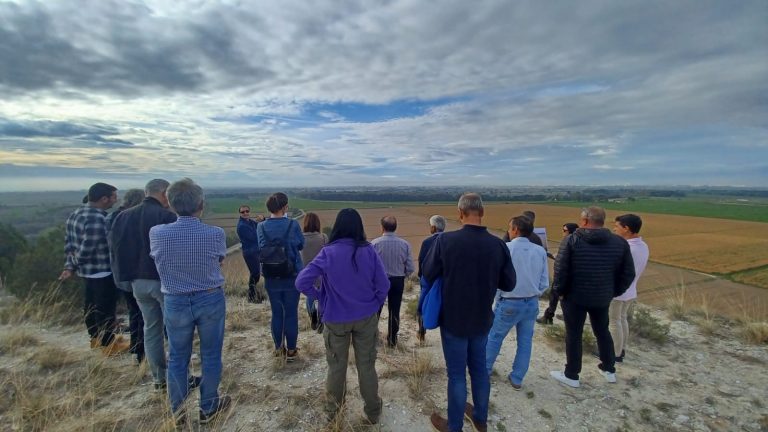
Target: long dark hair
[{"x": 349, "y": 225}]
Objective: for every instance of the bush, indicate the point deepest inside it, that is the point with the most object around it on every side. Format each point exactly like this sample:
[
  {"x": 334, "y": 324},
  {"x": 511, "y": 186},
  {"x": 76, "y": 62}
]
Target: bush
[
  {"x": 35, "y": 271},
  {"x": 12, "y": 243},
  {"x": 232, "y": 238},
  {"x": 649, "y": 327}
]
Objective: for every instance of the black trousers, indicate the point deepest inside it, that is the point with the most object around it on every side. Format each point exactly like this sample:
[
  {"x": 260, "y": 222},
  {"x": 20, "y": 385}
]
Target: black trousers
[
  {"x": 254, "y": 268},
  {"x": 100, "y": 303},
  {"x": 135, "y": 324},
  {"x": 549, "y": 312},
  {"x": 394, "y": 300},
  {"x": 575, "y": 316}
]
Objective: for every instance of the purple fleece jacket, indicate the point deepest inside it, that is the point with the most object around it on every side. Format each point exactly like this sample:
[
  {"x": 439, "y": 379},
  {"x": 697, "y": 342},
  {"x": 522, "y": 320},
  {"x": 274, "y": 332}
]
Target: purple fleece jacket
[{"x": 345, "y": 295}]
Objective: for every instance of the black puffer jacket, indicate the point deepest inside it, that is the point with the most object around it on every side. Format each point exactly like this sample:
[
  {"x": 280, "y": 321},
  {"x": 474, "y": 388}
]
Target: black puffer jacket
[{"x": 592, "y": 267}]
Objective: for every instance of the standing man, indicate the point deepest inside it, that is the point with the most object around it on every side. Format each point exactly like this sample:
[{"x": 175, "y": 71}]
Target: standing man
[
  {"x": 628, "y": 227},
  {"x": 436, "y": 227},
  {"x": 592, "y": 267},
  {"x": 249, "y": 241},
  {"x": 520, "y": 307},
  {"x": 473, "y": 264},
  {"x": 130, "y": 244},
  {"x": 188, "y": 256},
  {"x": 88, "y": 255},
  {"x": 395, "y": 253}
]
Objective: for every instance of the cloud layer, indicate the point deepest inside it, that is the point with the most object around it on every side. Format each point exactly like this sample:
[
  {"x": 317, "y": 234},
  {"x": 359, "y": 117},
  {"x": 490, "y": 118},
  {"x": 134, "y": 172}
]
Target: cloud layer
[{"x": 398, "y": 92}]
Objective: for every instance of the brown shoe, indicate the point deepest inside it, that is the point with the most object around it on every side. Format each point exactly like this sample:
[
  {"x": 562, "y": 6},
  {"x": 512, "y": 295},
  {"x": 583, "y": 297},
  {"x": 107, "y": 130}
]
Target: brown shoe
[
  {"x": 439, "y": 423},
  {"x": 117, "y": 346},
  {"x": 479, "y": 427}
]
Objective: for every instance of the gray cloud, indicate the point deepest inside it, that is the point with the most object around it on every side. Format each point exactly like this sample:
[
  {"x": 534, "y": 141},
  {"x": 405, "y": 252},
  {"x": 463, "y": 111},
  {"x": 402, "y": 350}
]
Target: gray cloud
[{"x": 541, "y": 92}]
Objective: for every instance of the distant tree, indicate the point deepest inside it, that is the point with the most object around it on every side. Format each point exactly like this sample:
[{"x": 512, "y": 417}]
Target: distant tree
[
  {"x": 12, "y": 243},
  {"x": 37, "y": 268}
]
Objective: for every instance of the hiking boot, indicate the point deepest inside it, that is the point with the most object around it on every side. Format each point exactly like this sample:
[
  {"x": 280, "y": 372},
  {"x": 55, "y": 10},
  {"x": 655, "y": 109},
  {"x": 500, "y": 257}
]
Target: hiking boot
[
  {"x": 478, "y": 427},
  {"x": 116, "y": 347},
  {"x": 609, "y": 376},
  {"x": 560, "y": 376},
  {"x": 516, "y": 387},
  {"x": 280, "y": 352},
  {"x": 545, "y": 320},
  {"x": 291, "y": 355},
  {"x": 439, "y": 423},
  {"x": 224, "y": 403}
]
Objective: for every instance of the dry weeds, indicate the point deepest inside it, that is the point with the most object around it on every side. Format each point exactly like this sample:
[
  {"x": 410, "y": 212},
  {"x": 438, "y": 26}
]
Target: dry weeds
[{"x": 16, "y": 339}]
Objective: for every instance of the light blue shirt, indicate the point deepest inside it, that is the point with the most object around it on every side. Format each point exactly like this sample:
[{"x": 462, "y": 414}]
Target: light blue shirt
[
  {"x": 395, "y": 253},
  {"x": 188, "y": 255},
  {"x": 530, "y": 262}
]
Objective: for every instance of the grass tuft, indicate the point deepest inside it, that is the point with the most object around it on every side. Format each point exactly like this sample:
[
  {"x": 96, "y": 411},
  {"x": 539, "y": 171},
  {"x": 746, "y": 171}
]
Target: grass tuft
[
  {"x": 649, "y": 327},
  {"x": 16, "y": 339},
  {"x": 755, "y": 333}
]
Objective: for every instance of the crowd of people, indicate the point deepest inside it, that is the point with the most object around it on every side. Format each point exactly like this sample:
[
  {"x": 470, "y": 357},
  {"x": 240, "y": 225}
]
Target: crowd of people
[{"x": 166, "y": 263}]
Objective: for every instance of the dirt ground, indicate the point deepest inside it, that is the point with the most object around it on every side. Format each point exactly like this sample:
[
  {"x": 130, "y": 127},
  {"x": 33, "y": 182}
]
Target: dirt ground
[{"x": 695, "y": 382}]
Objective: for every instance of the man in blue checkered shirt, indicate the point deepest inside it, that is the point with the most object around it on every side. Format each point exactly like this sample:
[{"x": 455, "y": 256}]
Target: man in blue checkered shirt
[
  {"x": 88, "y": 255},
  {"x": 188, "y": 256}
]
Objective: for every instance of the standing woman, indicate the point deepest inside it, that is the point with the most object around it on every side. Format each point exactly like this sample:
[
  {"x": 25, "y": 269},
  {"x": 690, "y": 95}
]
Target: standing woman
[
  {"x": 314, "y": 240},
  {"x": 281, "y": 232},
  {"x": 353, "y": 287}
]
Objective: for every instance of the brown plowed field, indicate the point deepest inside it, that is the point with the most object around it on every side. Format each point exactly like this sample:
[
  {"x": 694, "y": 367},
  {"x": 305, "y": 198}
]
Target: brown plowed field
[{"x": 699, "y": 244}]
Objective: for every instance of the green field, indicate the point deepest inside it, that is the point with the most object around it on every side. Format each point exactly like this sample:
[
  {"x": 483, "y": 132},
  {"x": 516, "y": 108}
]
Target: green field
[
  {"x": 747, "y": 211},
  {"x": 229, "y": 205}
]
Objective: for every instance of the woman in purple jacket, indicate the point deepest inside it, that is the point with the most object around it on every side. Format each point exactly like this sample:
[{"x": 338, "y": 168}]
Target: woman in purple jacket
[{"x": 353, "y": 287}]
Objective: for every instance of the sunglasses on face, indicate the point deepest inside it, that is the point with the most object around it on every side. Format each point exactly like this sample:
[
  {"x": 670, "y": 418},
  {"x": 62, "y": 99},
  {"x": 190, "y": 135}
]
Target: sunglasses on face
[{"x": 244, "y": 211}]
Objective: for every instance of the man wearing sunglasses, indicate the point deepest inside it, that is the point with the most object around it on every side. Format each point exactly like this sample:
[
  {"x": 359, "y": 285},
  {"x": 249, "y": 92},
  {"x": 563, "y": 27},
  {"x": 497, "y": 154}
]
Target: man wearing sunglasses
[{"x": 246, "y": 230}]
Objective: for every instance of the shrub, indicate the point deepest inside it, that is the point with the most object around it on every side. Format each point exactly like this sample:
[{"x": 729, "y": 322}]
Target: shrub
[
  {"x": 556, "y": 333},
  {"x": 12, "y": 243},
  {"x": 756, "y": 332},
  {"x": 649, "y": 327},
  {"x": 35, "y": 271}
]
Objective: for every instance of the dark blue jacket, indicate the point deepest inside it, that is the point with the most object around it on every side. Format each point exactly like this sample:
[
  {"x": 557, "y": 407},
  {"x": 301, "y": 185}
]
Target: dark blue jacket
[
  {"x": 249, "y": 238},
  {"x": 129, "y": 239}
]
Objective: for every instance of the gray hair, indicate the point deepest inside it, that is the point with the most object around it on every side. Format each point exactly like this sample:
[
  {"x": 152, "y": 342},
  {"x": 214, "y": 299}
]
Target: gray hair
[
  {"x": 185, "y": 197},
  {"x": 156, "y": 186},
  {"x": 438, "y": 222},
  {"x": 470, "y": 202},
  {"x": 132, "y": 198},
  {"x": 595, "y": 215}
]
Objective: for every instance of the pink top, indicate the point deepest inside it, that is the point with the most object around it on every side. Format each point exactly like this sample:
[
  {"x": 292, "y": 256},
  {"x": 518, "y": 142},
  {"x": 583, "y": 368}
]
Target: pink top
[{"x": 639, "y": 251}]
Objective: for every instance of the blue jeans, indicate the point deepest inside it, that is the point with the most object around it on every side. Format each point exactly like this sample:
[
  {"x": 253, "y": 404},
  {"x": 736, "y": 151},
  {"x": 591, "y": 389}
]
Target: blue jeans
[
  {"x": 150, "y": 300},
  {"x": 462, "y": 353},
  {"x": 285, "y": 315},
  {"x": 204, "y": 310},
  {"x": 521, "y": 314}
]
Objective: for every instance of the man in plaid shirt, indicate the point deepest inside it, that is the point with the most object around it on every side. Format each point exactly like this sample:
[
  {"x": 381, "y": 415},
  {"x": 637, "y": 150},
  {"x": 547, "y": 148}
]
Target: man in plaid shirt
[{"x": 88, "y": 256}]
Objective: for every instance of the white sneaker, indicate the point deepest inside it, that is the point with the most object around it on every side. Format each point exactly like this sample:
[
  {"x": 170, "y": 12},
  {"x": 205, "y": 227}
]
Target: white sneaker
[
  {"x": 558, "y": 375},
  {"x": 609, "y": 376}
]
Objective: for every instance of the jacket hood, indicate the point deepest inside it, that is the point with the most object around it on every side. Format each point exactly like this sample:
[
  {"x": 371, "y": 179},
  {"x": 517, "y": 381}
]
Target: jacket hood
[{"x": 593, "y": 236}]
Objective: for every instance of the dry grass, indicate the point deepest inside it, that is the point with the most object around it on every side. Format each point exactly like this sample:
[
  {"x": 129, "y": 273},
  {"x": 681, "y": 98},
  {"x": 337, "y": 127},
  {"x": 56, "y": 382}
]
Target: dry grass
[
  {"x": 53, "y": 358},
  {"x": 239, "y": 318},
  {"x": 417, "y": 372},
  {"x": 677, "y": 304},
  {"x": 555, "y": 335},
  {"x": 46, "y": 309},
  {"x": 706, "y": 317},
  {"x": 755, "y": 333},
  {"x": 15, "y": 339},
  {"x": 412, "y": 308}
]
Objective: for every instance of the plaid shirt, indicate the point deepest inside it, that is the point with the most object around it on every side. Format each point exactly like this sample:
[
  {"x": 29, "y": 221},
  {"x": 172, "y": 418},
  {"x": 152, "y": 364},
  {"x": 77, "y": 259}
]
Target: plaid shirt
[
  {"x": 188, "y": 255},
  {"x": 395, "y": 253},
  {"x": 85, "y": 243}
]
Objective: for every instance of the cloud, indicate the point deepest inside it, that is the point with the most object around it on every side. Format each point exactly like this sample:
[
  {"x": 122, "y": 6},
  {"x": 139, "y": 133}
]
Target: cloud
[{"x": 343, "y": 93}]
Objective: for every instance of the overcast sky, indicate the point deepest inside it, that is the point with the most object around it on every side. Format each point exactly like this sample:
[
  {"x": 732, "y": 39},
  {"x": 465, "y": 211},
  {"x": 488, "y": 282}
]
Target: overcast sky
[{"x": 297, "y": 93}]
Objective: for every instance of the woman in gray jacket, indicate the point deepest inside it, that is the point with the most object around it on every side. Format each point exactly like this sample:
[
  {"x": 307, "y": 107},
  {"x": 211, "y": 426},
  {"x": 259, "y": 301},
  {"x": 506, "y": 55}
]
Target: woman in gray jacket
[{"x": 314, "y": 240}]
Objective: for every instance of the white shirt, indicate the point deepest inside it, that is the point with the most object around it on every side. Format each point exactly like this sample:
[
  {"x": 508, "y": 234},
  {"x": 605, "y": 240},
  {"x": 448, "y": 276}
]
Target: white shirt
[{"x": 640, "y": 253}]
